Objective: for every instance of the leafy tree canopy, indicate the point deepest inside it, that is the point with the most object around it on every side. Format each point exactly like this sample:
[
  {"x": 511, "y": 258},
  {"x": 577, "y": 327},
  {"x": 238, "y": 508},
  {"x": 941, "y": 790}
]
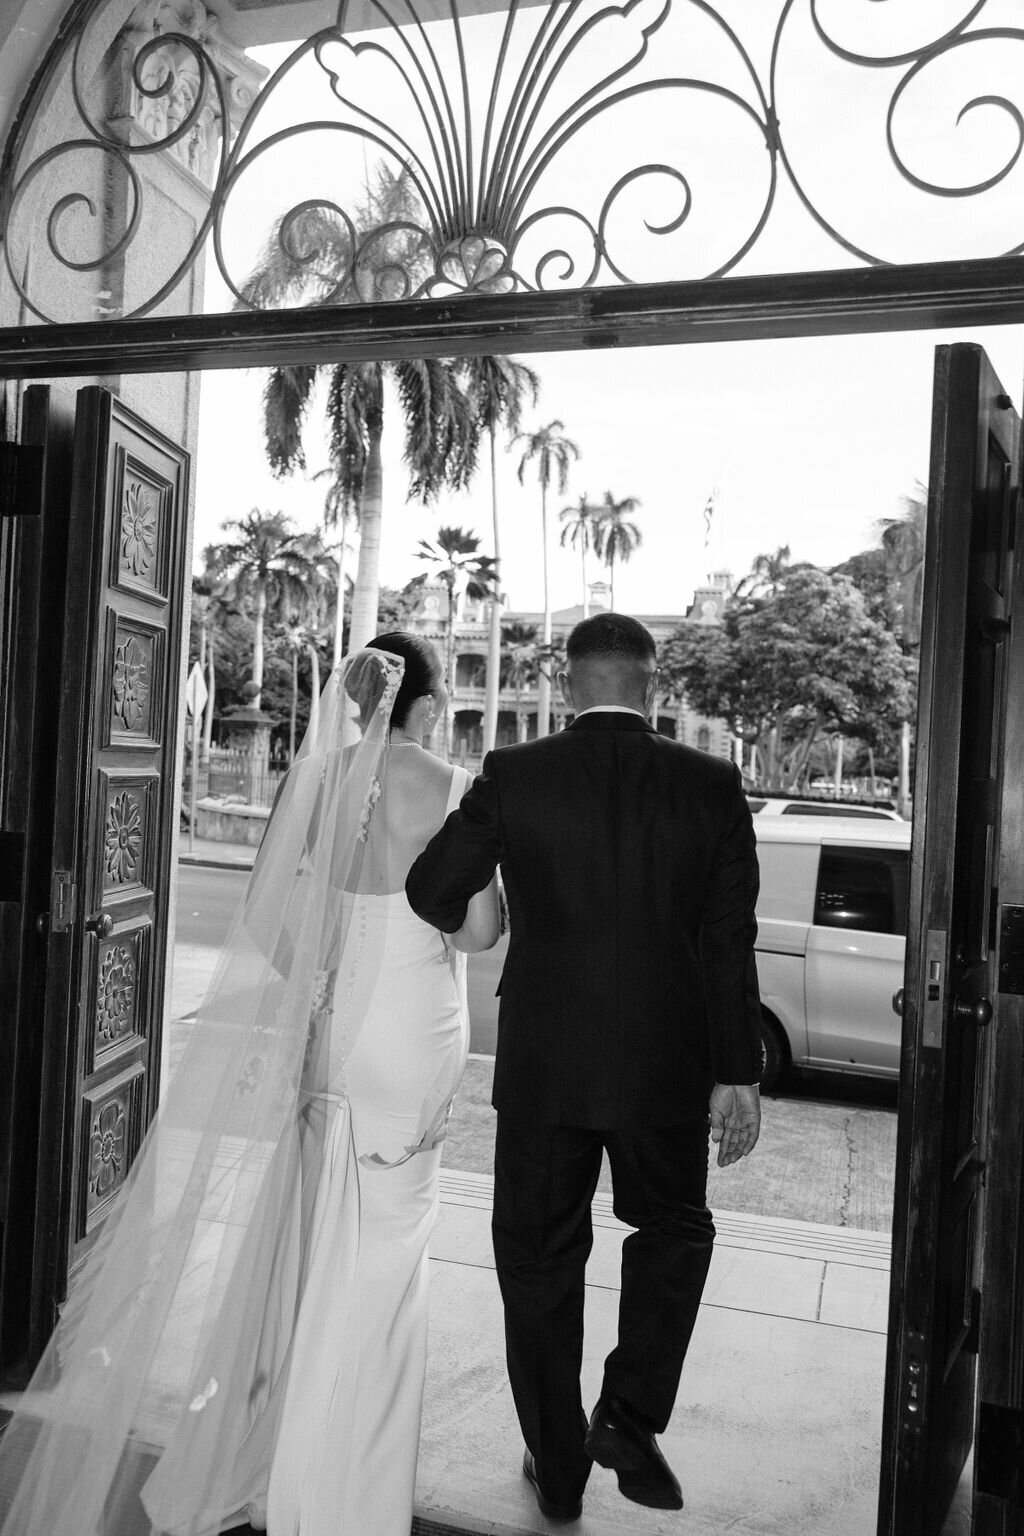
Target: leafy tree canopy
[{"x": 792, "y": 658}]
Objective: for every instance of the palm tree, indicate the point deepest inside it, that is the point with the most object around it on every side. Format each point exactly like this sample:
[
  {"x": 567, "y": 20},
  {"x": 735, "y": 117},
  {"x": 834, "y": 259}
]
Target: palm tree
[
  {"x": 454, "y": 551},
  {"x": 318, "y": 256},
  {"x": 553, "y": 452},
  {"x": 208, "y": 612},
  {"x": 335, "y": 512},
  {"x": 615, "y": 538},
  {"x": 298, "y": 636},
  {"x": 579, "y": 530},
  {"x": 519, "y": 669},
  {"x": 497, "y": 386},
  {"x": 766, "y": 575},
  {"x": 903, "y": 546},
  {"x": 903, "y": 540},
  {"x": 269, "y": 566}
]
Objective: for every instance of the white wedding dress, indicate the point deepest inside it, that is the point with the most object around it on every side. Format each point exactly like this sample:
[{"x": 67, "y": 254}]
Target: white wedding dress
[
  {"x": 322, "y": 1418},
  {"x": 246, "y": 1338}
]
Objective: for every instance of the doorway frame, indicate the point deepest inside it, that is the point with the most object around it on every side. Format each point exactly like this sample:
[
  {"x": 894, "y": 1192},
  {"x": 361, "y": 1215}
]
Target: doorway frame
[
  {"x": 838, "y": 302},
  {"x": 852, "y": 301}
]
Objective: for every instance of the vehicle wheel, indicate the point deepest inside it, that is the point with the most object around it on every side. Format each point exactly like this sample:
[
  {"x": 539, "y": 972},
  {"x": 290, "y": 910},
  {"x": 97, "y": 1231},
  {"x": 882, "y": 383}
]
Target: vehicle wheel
[{"x": 774, "y": 1054}]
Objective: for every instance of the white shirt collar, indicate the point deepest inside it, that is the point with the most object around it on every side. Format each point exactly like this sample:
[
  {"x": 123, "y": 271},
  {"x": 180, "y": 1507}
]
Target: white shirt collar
[{"x": 610, "y": 709}]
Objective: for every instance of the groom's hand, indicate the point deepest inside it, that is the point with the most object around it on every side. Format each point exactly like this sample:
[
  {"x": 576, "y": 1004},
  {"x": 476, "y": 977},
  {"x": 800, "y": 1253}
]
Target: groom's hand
[{"x": 735, "y": 1120}]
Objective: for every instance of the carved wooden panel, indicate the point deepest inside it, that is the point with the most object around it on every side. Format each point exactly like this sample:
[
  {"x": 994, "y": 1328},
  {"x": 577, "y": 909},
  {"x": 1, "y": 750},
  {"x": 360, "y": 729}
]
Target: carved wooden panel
[
  {"x": 135, "y": 652},
  {"x": 126, "y": 832},
  {"x": 116, "y": 809},
  {"x": 119, "y": 992},
  {"x": 142, "y": 501},
  {"x": 112, "y": 1132}
]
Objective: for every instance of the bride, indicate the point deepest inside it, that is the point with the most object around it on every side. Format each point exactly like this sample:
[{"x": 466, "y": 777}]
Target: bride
[{"x": 248, "y": 1339}]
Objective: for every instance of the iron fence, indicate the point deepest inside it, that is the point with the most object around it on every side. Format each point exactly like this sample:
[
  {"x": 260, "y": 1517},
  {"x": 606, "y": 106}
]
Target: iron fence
[{"x": 236, "y": 777}]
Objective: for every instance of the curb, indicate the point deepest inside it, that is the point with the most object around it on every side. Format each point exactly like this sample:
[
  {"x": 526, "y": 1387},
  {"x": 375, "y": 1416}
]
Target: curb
[{"x": 201, "y": 861}]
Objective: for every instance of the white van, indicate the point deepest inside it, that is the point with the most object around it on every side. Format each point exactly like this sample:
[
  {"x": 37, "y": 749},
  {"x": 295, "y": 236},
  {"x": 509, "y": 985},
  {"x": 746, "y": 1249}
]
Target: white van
[{"x": 832, "y": 924}]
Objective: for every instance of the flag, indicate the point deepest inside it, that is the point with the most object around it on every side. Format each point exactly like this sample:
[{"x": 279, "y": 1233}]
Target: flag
[{"x": 709, "y": 511}]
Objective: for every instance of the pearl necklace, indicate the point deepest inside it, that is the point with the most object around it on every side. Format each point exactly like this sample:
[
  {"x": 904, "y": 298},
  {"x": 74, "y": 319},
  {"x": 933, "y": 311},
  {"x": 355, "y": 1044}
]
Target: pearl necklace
[{"x": 402, "y": 741}]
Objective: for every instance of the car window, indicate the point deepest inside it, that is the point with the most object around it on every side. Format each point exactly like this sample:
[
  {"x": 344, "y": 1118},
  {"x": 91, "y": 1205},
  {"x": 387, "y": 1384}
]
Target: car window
[
  {"x": 863, "y": 888},
  {"x": 804, "y": 808},
  {"x": 756, "y": 805}
]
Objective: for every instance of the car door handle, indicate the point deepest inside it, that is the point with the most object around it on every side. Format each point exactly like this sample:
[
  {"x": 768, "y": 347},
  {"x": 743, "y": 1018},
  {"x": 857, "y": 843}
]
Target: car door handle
[{"x": 897, "y": 1002}]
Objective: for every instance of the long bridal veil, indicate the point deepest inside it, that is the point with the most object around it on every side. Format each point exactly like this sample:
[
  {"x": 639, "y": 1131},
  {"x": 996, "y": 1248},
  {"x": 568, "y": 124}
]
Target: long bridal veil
[{"x": 170, "y": 1355}]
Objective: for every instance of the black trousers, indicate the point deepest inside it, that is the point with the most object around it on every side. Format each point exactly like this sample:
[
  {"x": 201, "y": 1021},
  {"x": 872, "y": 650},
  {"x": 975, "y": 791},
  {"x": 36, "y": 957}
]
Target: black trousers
[{"x": 544, "y": 1181}]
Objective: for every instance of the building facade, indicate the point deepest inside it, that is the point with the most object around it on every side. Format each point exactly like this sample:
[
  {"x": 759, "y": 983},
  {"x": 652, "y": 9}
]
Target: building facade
[{"x": 517, "y": 702}]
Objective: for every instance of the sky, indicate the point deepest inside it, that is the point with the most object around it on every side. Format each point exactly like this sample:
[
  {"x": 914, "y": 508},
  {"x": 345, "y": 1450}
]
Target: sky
[{"x": 811, "y": 441}]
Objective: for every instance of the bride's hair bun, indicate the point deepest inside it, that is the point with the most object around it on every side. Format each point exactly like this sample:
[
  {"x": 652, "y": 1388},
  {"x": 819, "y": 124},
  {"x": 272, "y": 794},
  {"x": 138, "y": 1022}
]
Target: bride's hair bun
[
  {"x": 422, "y": 669},
  {"x": 365, "y": 681}
]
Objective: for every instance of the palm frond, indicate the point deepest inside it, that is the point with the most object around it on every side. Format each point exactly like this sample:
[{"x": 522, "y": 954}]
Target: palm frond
[{"x": 286, "y": 397}]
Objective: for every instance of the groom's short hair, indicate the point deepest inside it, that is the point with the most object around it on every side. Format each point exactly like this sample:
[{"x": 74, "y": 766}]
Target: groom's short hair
[{"x": 611, "y": 635}]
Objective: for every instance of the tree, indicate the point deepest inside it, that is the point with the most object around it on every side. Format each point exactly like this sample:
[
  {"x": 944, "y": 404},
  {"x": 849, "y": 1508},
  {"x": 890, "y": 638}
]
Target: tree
[
  {"x": 455, "y": 552},
  {"x": 615, "y": 537},
  {"x": 267, "y": 567},
  {"x": 397, "y": 605},
  {"x": 780, "y": 669},
  {"x": 552, "y": 452},
  {"x": 337, "y": 511},
  {"x": 765, "y": 575},
  {"x": 579, "y": 529},
  {"x": 316, "y": 254},
  {"x": 301, "y": 634},
  {"x": 208, "y": 617},
  {"x": 497, "y": 387},
  {"x": 519, "y": 669},
  {"x": 903, "y": 541}
]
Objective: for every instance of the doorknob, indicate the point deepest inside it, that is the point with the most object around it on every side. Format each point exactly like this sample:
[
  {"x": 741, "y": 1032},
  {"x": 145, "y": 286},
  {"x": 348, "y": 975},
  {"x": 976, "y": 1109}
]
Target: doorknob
[
  {"x": 897, "y": 1002},
  {"x": 101, "y": 923},
  {"x": 979, "y": 1012}
]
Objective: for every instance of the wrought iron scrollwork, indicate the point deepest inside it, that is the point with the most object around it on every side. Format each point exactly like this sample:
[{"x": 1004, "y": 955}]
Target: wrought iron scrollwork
[{"x": 548, "y": 146}]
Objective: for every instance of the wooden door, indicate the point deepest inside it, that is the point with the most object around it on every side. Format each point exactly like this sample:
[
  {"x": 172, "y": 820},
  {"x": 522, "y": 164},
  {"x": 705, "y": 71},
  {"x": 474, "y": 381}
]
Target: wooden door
[
  {"x": 950, "y": 978},
  {"x": 36, "y": 552},
  {"x": 998, "y": 1504},
  {"x": 113, "y": 836}
]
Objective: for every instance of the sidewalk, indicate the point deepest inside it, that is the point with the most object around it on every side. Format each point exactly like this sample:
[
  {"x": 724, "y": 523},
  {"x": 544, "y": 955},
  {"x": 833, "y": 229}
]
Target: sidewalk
[{"x": 778, "y": 1421}]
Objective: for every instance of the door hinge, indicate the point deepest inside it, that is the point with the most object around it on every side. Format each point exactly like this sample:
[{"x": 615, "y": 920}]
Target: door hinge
[
  {"x": 21, "y": 479},
  {"x": 1011, "y": 949},
  {"x": 63, "y": 901},
  {"x": 999, "y": 1453}
]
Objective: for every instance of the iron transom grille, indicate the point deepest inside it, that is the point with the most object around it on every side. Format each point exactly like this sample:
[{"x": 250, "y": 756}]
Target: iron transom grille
[{"x": 543, "y": 147}]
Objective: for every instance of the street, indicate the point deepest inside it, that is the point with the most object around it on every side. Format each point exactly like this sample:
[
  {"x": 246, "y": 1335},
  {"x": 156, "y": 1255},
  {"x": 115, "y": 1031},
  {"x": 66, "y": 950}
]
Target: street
[
  {"x": 828, "y": 1141},
  {"x": 207, "y": 899}
]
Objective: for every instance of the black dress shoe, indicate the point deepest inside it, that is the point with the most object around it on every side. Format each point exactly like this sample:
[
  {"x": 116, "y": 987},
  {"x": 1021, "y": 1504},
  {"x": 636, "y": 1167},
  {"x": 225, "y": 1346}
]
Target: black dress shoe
[
  {"x": 618, "y": 1438},
  {"x": 548, "y": 1506}
]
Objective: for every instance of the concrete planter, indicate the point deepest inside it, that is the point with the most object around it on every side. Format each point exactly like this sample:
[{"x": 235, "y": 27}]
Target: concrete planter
[{"x": 224, "y": 822}]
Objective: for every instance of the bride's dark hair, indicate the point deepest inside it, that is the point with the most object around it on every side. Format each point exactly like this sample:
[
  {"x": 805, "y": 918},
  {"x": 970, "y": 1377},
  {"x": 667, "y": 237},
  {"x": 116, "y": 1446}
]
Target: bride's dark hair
[{"x": 422, "y": 669}]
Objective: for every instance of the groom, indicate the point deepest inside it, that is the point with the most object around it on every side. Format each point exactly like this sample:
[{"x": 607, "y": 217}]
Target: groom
[{"x": 629, "y": 1016}]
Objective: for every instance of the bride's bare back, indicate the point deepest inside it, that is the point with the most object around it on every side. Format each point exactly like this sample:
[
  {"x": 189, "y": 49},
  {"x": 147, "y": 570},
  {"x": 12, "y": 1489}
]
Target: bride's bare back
[{"x": 415, "y": 787}]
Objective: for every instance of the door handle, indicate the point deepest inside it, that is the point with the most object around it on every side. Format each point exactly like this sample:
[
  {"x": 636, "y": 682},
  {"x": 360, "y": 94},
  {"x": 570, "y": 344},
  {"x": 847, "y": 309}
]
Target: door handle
[
  {"x": 101, "y": 923},
  {"x": 979, "y": 1012},
  {"x": 897, "y": 1002}
]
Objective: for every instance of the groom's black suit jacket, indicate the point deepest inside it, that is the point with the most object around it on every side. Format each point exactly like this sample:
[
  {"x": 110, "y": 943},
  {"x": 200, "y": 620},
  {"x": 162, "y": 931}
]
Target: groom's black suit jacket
[{"x": 630, "y": 869}]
